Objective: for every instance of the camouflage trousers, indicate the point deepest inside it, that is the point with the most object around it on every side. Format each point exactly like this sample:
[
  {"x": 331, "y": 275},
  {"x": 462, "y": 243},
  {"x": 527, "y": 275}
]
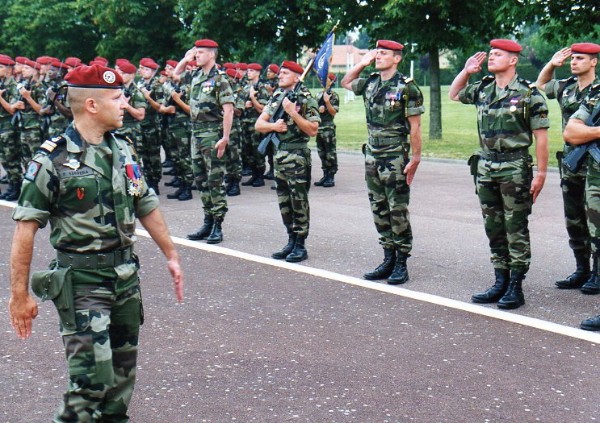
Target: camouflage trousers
[
  {"x": 254, "y": 159},
  {"x": 179, "y": 135},
  {"x": 573, "y": 193},
  {"x": 592, "y": 197},
  {"x": 149, "y": 151},
  {"x": 326, "y": 148},
  {"x": 233, "y": 153},
  {"x": 10, "y": 154},
  {"x": 209, "y": 173},
  {"x": 102, "y": 350},
  {"x": 30, "y": 143},
  {"x": 503, "y": 190},
  {"x": 389, "y": 195},
  {"x": 292, "y": 177}
]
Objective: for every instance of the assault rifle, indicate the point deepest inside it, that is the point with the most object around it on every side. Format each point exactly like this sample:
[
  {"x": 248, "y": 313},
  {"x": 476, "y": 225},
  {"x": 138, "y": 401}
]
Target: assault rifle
[
  {"x": 574, "y": 159},
  {"x": 292, "y": 95},
  {"x": 17, "y": 118}
]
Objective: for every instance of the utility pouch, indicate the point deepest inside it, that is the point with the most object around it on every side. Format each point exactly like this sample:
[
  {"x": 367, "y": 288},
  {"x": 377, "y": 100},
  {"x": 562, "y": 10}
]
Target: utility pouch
[
  {"x": 473, "y": 162},
  {"x": 559, "y": 159},
  {"x": 56, "y": 285}
]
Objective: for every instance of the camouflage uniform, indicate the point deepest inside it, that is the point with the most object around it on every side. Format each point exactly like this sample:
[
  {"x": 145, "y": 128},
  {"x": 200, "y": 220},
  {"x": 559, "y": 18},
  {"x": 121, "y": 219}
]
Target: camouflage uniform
[
  {"x": 252, "y": 138},
  {"x": 326, "y": 142},
  {"x": 506, "y": 119},
  {"x": 132, "y": 127},
  {"x": 293, "y": 163},
  {"x": 208, "y": 93},
  {"x": 567, "y": 93},
  {"x": 234, "y": 156},
  {"x": 30, "y": 131},
  {"x": 10, "y": 146},
  {"x": 388, "y": 105},
  {"x": 149, "y": 148},
  {"x": 82, "y": 190}
]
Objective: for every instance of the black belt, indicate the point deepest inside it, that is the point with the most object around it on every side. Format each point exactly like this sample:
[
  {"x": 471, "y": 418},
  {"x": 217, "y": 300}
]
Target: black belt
[
  {"x": 508, "y": 156},
  {"x": 94, "y": 260},
  {"x": 383, "y": 142}
]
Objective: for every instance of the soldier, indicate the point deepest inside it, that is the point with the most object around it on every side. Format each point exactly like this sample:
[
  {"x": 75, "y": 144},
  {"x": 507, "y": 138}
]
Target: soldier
[
  {"x": 510, "y": 110},
  {"x": 329, "y": 105},
  {"x": 136, "y": 105},
  {"x": 10, "y": 147},
  {"x": 292, "y": 160},
  {"x": 59, "y": 114},
  {"x": 168, "y": 146},
  {"x": 570, "y": 93},
  {"x": 255, "y": 96},
  {"x": 175, "y": 106},
  {"x": 234, "y": 158},
  {"x": 272, "y": 81},
  {"x": 393, "y": 105},
  {"x": 584, "y": 127},
  {"x": 149, "y": 148},
  {"x": 77, "y": 182},
  {"x": 211, "y": 112}
]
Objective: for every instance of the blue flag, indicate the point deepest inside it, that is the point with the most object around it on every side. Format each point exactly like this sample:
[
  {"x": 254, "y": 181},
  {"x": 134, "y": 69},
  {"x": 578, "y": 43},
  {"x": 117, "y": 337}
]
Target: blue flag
[{"x": 323, "y": 58}]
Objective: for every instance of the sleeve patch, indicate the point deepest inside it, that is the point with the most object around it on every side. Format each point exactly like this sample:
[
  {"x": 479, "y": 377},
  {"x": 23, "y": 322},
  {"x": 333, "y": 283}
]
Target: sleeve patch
[{"x": 32, "y": 170}]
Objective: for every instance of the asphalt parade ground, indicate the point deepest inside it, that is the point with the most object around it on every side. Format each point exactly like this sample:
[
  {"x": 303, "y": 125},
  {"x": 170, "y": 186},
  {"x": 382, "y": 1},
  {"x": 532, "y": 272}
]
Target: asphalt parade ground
[{"x": 261, "y": 340}]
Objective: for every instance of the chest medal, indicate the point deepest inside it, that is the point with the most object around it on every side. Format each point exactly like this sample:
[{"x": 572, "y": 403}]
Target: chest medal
[{"x": 134, "y": 179}]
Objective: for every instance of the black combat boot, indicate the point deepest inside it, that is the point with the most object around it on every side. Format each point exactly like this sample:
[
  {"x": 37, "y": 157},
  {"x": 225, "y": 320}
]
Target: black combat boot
[
  {"x": 171, "y": 172},
  {"x": 581, "y": 274},
  {"x": 299, "y": 252},
  {"x": 204, "y": 230},
  {"x": 216, "y": 234},
  {"x": 400, "y": 273},
  {"x": 593, "y": 323},
  {"x": 168, "y": 163},
  {"x": 385, "y": 269},
  {"x": 259, "y": 180},
  {"x": 176, "y": 194},
  {"x": 592, "y": 286},
  {"x": 251, "y": 180},
  {"x": 514, "y": 297},
  {"x": 287, "y": 249},
  {"x": 497, "y": 291},
  {"x": 319, "y": 183},
  {"x": 234, "y": 187},
  {"x": 175, "y": 182},
  {"x": 154, "y": 185},
  {"x": 329, "y": 180},
  {"x": 12, "y": 194},
  {"x": 270, "y": 175},
  {"x": 186, "y": 192}
]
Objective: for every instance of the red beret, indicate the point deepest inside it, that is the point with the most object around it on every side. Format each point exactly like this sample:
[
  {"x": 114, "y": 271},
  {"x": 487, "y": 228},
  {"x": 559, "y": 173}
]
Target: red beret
[
  {"x": 44, "y": 60},
  {"x": 58, "y": 64},
  {"x": 274, "y": 68},
  {"x": 206, "y": 43},
  {"x": 293, "y": 66},
  {"x": 231, "y": 72},
  {"x": 331, "y": 76},
  {"x": 94, "y": 76},
  {"x": 22, "y": 60},
  {"x": 228, "y": 65},
  {"x": 101, "y": 59},
  {"x": 120, "y": 61},
  {"x": 585, "y": 48},
  {"x": 241, "y": 66},
  {"x": 149, "y": 63},
  {"x": 255, "y": 66},
  {"x": 172, "y": 63},
  {"x": 506, "y": 45},
  {"x": 32, "y": 64},
  {"x": 6, "y": 60},
  {"x": 96, "y": 62},
  {"x": 389, "y": 45},
  {"x": 73, "y": 61},
  {"x": 163, "y": 73},
  {"x": 126, "y": 66}
]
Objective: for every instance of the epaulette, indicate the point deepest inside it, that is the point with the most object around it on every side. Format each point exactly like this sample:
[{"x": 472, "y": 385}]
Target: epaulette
[
  {"x": 570, "y": 79},
  {"x": 488, "y": 78},
  {"x": 50, "y": 145}
]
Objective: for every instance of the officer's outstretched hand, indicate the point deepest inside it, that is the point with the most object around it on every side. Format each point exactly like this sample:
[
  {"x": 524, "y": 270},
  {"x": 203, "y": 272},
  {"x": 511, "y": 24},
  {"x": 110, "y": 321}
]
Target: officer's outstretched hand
[
  {"x": 537, "y": 184},
  {"x": 411, "y": 168},
  {"x": 22, "y": 310}
]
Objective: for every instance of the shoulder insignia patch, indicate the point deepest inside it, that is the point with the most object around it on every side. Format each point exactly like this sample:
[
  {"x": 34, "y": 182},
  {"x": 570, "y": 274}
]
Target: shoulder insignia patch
[{"x": 32, "y": 170}]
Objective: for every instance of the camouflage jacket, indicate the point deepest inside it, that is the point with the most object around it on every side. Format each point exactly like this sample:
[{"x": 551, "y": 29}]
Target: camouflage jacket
[
  {"x": 507, "y": 117},
  {"x": 566, "y": 92},
  {"x": 306, "y": 105},
  {"x": 208, "y": 93},
  {"x": 169, "y": 87},
  {"x": 85, "y": 192},
  {"x": 326, "y": 117},
  {"x": 238, "y": 96},
  {"x": 151, "y": 119},
  {"x": 10, "y": 95},
  {"x": 588, "y": 104},
  {"x": 31, "y": 119},
  {"x": 262, "y": 96},
  {"x": 137, "y": 101}
]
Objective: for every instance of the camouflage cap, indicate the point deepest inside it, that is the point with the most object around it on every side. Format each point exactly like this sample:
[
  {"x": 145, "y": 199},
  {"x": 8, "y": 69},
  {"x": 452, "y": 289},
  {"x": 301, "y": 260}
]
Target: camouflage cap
[{"x": 94, "y": 76}]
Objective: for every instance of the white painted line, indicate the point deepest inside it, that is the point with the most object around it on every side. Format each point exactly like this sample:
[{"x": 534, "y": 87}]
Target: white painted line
[{"x": 396, "y": 290}]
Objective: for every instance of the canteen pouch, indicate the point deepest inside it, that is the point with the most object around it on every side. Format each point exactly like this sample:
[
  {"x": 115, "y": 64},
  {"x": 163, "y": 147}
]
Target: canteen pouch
[{"x": 55, "y": 284}]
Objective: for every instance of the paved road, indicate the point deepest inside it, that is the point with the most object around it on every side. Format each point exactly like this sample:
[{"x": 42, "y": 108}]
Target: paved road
[{"x": 256, "y": 342}]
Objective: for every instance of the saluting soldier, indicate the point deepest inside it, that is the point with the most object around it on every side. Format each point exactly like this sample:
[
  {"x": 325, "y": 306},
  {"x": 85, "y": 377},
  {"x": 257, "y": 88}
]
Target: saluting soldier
[
  {"x": 211, "y": 111},
  {"x": 292, "y": 160},
  {"x": 570, "y": 93},
  {"x": 89, "y": 186},
  {"x": 510, "y": 111},
  {"x": 329, "y": 105},
  {"x": 394, "y": 105}
]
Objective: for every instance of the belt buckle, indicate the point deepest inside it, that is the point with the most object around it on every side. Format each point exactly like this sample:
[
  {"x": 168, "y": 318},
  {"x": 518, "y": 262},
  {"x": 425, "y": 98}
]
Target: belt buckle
[{"x": 102, "y": 259}]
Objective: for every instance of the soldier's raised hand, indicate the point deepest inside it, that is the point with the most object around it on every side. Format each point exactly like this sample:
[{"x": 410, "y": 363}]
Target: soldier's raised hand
[
  {"x": 473, "y": 63},
  {"x": 560, "y": 57}
]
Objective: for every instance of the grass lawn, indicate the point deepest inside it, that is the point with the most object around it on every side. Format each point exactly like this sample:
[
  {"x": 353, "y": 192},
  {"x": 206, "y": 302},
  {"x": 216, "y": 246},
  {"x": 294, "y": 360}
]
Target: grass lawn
[{"x": 459, "y": 128}]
